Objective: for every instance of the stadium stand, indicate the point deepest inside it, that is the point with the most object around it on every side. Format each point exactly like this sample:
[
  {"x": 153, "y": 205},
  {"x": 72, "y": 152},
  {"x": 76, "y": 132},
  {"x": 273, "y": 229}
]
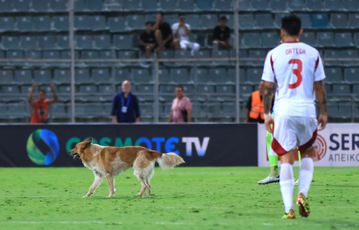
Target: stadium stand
[{"x": 107, "y": 29}]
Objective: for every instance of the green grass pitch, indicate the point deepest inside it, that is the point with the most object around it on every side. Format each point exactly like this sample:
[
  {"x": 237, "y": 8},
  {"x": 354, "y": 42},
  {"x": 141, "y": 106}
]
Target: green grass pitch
[{"x": 184, "y": 198}]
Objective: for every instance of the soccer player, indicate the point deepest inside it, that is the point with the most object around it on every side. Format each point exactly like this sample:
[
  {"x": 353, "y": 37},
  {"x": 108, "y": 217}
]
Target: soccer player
[{"x": 298, "y": 72}]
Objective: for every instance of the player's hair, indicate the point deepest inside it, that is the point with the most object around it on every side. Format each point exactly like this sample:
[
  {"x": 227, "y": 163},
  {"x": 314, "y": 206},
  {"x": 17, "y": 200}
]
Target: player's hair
[
  {"x": 149, "y": 23},
  {"x": 180, "y": 87},
  {"x": 291, "y": 24},
  {"x": 42, "y": 91},
  {"x": 223, "y": 18}
]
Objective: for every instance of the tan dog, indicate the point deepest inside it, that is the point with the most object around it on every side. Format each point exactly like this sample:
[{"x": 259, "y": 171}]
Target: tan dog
[{"x": 110, "y": 161}]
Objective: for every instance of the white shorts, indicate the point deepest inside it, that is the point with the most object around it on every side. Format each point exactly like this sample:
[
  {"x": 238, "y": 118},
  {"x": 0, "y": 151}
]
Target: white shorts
[{"x": 291, "y": 132}]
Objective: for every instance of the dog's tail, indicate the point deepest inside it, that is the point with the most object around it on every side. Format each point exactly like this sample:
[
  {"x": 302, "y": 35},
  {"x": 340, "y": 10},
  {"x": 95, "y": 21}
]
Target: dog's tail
[{"x": 169, "y": 160}]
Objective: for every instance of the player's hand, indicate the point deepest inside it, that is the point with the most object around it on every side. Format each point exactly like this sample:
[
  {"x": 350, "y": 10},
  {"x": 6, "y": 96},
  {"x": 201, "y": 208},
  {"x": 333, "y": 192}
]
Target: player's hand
[
  {"x": 322, "y": 121},
  {"x": 269, "y": 123}
]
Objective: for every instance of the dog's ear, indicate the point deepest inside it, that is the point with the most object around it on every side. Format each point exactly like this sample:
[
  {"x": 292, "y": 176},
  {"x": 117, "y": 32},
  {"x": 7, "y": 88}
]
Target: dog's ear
[{"x": 88, "y": 140}]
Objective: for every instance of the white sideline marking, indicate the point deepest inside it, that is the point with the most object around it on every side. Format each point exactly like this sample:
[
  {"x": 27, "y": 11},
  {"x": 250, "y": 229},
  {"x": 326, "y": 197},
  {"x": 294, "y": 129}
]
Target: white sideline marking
[{"x": 58, "y": 222}]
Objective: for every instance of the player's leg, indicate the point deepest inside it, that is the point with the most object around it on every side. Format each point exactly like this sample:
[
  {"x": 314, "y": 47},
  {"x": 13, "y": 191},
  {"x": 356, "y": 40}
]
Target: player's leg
[{"x": 273, "y": 176}]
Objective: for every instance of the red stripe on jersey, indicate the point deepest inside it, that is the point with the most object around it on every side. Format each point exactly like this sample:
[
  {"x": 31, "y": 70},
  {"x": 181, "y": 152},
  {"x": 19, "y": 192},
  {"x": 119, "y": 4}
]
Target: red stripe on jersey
[
  {"x": 277, "y": 148},
  {"x": 309, "y": 144},
  {"x": 316, "y": 64},
  {"x": 272, "y": 64}
]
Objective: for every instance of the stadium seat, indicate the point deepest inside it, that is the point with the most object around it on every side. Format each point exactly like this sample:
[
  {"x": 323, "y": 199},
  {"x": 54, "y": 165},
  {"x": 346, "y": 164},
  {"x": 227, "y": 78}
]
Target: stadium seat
[
  {"x": 144, "y": 89},
  {"x": 33, "y": 54},
  {"x": 226, "y": 5},
  {"x": 257, "y": 53},
  {"x": 306, "y": 20},
  {"x": 309, "y": 38},
  {"x": 278, "y": 5},
  {"x": 21, "y": 5},
  {"x": 297, "y": 5},
  {"x": 254, "y": 74},
  {"x": 58, "y": 110},
  {"x": 315, "y": 5},
  {"x": 121, "y": 74},
  {"x": 10, "y": 42},
  {"x": 334, "y": 74},
  {"x": 7, "y": 23},
  {"x": 167, "y": 4},
  {"x": 149, "y": 5},
  {"x": 89, "y": 54},
  {"x": 100, "y": 75},
  {"x": 185, "y": 5},
  {"x": 135, "y": 22},
  {"x": 84, "y": 41},
  {"x": 231, "y": 74},
  {"x": 264, "y": 20},
  {"x": 270, "y": 39},
  {"x": 83, "y": 22},
  {"x": 206, "y": 89},
  {"x": 15, "y": 54},
  {"x": 10, "y": 89},
  {"x": 107, "y": 54},
  {"x": 194, "y": 20},
  {"x": 225, "y": 89},
  {"x": 42, "y": 23},
  {"x": 141, "y": 75},
  {"x": 260, "y": 5},
  {"x": 126, "y": 54},
  {"x": 350, "y": 4},
  {"x": 102, "y": 41},
  {"x": 87, "y": 89},
  {"x": 180, "y": 75},
  {"x": 62, "y": 76},
  {"x": 51, "y": 54},
  {"x": 320, "y": 20},
  {"x": 351, "y": 74},
  {"x": 166, "y": 89},
  {"x": 122, "y": 41},
  {"x": 344, "y": 110},
  {"x": 245, "y": 90},
  {"x": 18, "y": 110},
  {"x": 96, "y": 5},
  {"x": 6, "y": 5},
  {"x": 204, "y": 4},
  {"x": 62, "y": 41},
  {"x": 343, "y": 39},
  {"x": 60, "y": 23},
  {"x": 246, "y": 21},
  {"x": 250, "y": 40},
  {"x": 23, "y": 76},
  {"x": 325, "y": 39},
  {"x": 332, "y": 110},
  {"x": 82, "y": 75},
  {"x": 208, "y": 21},
  {"x": 81, "y": 5},
  {"x": 42, "y": 76},
  {"x": 106, "y": 89},
  {"x": 98, "y": 22},
  {"x": 117, "y": 24},
  {"x": 29, "y": 42},
  {"x": 7, "y": 76},
  {"x": 339, "y": 20},
  {"x": 353, "y": 20},
  {"x": 24, "y": 23},
  {"x": 47, "y": 42},
  {"x": 58, "y": 5},
  {"x": 40, "y": 5},
  {"x": 341, "y": 88},
  {"x": 216, "y": 75}
]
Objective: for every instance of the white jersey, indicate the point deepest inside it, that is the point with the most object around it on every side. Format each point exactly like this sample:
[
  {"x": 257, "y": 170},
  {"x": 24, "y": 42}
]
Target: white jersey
[
  {"x": 294, "y": 67},
  {"x": 183, "y": 36}
]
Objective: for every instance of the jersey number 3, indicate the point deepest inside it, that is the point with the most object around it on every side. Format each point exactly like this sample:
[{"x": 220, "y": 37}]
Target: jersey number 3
[{"x": 297, "y": 72}]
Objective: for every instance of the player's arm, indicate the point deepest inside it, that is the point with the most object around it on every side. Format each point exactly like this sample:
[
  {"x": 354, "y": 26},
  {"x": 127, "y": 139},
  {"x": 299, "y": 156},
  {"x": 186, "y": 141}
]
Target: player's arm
[
  {"x": 321, "y": 97},
  {"x": 31, "y": 93},
  {"x": 268, "y": 93},
  {"x": 54, "y": 94}
]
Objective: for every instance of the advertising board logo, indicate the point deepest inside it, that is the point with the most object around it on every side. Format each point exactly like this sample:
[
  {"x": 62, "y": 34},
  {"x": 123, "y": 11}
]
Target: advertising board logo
[
  {"x": 320, "y": 147},
  {"x": 42, "y": 147}
]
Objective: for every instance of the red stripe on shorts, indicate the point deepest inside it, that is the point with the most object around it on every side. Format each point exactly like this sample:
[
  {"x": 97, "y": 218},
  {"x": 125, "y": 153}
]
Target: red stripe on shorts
[
  {"x": 277, "y": 148},
  {"x": 309, "y": 144}
]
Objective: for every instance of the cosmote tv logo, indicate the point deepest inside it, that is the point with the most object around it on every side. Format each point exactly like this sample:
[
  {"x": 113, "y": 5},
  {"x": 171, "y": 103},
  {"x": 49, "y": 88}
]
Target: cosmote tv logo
[
  {"x": 42, "y": 147},
  {"x": 320, "y": 146}
]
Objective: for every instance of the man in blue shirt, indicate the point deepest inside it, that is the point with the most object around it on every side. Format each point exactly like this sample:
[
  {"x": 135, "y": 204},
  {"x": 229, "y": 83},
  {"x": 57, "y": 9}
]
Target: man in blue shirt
[{"x": 125, "y": 106}]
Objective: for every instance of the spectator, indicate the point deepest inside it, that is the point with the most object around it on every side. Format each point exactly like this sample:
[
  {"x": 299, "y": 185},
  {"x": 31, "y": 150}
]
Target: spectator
[
  {"x": 181, "y": 109},
  {"x": 181, "y": 32},
  {"x": 40, "y": 106},
  {"x": 255, "y": 107},
  {"x": 147, "y": 40},
  {"x": 125, "y": 105},
  {"x": 221, "y": 34},
  {"x": 163, "y": 33}
]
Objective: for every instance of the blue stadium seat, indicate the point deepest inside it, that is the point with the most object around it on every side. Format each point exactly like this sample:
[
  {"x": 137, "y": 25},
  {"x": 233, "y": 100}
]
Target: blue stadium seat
[
  {"x": 100, "y": 75},
  {"x": 23, "y": 76},
  {"x": 223, "y": 5},
  {"x": 343, "y": 39},
  {"x": 264, "y": 20},
  {"x": 21, "y": 5},
  {"x": 356, "y": 39},
  {"x": 297, "y": 5},
  {"x": 33, "y": 54},
  {"x": 7, "y": 23},
  {"x": 24, "y": 23},
  {"x": 334, "y": 74},
  {"x": 351, "y": 74},
  {"x": 62, "y": 76},
  {"x": 135, "y": 22},
  {"x": 89, "y": 54},
  {"x": 351, "y": 5},
  {"x": 41, "y": 5},
  {"x": 207, "y": 89},
  {"x": 180, "y": 75},
  {"x": 98, "y": 22},
  {"x": 306, "y": 20},
  {"x": 205, "y": 4},
  {"x": 320, "y": 20},
  {"x": 325, "y": 39},
  {"x": 185, "y": 5},
  {"x": 15, "y": 54},
  {"x": 10, "y": 89},
  {"x": 60, "y": 23},
  {"x": 246, "y": 21},
  {"x": 106, "y": 89},
  {"x": 117, "y": 24},
  {"x": 84, "y": 41},
  {"x": 121, "y": 74},
  {"x": 42, "y": 76},
  {"x": 141, "y": 75},
  {"x": 182, "y": 54},
  {"x": 29, "y": 42},
  {"x": 353, "y": 20},
  {"x": 225, "y": 89},
  {"x": 245, "y": 90},
  {"x": 194, "y": 20},
  {"x": 260, "y": 4},
  {"x": 82, "y": 75},
  {"x": 231, "y": 74},
  {"x": 126, "y": 54},
  {"x": 254, "y": 74},
  {"x": 102, "y": 41},
  {"x": 315, "y": 5},
  {"x": 58, "y": 5},
  {"x": 149, "y": 5},
  {"x": 221, "y": 53},
  {"x": 64, "y": 90},
  {"x": 216, "y": 75},
  {"x": 7, "y": 76},
  {"x": 202, "y": 54},
  {"x": 58, "y": 110},
  {"x": 339, "y": 20},
  {"x": 341, "y": 88},
  {"x": 208, "y": 21},
  {"x": 309, "y": 38},
  {"x": 51, "y": 54},
  {"x": 144, "y": 89},
  {"x": 166, "y": 89},
  {"x": 122, "y": 41},
  {"x": 278, "y": 5},
  {"x": 47, "y": 42},
  {"x": 18, "y": 110},
  {"x": 81, "y": 5},
  {"x": 332, "y": 110},
  {"x": 62, "y": 41},
  {"x": 250, "y": 40},
  {"x": 270, "y": 39},
  {"x": 96, "y": 5},
  {"x": 257, "y": 53},
  {"x": 167, "y": 4},
  {"x": 87, "y": 89},
  {"x": 6, "y": 5},
  {"x": 42, "y": 23},
  {"x": 108, "y": 54},
  {"x": 131, "y": 4},
  {"x": 83, "y": 22}
]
